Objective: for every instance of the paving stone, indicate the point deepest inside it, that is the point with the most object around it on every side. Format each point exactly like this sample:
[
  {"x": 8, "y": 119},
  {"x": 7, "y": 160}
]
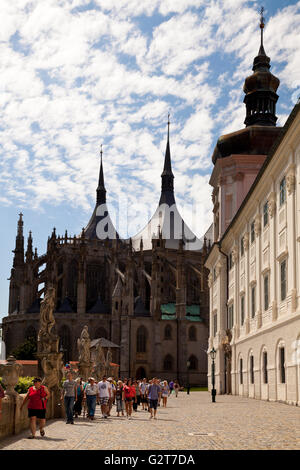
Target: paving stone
[{"x": 190, "y": 422}]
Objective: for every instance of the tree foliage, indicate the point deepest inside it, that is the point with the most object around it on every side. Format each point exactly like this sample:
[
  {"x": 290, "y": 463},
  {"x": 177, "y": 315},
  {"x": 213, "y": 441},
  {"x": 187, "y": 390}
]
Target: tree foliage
[{"x": 26, "y": 350}]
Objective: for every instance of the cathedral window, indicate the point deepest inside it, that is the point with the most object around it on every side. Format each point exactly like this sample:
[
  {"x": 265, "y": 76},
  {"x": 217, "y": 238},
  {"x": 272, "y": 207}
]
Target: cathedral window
[
  {"x": 141, "y": 339},
  {"x": 168, "y": 362},
  {"x": 193, "y": 363},
  {"x": 192, "y": 334},
  {"x": 168, "y": 332}
]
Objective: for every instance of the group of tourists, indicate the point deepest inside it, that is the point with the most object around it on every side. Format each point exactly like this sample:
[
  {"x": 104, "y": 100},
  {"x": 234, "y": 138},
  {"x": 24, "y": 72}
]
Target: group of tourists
[
  {"x": 81, "y": 398},
  {"x": 127, "y": 395}
]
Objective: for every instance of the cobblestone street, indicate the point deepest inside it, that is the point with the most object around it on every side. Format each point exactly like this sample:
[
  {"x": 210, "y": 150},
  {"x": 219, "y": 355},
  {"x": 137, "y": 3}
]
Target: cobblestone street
[{"x": 189, "y": 422}]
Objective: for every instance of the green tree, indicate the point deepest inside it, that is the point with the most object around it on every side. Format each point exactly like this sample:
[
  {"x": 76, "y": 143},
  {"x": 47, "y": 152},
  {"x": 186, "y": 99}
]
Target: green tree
[{"x": 26, "y": 350}]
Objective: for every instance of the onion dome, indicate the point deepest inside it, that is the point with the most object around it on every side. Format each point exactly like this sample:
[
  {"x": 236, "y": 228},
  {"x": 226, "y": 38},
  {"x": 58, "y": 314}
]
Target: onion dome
[{"x": 260, "y": 89}]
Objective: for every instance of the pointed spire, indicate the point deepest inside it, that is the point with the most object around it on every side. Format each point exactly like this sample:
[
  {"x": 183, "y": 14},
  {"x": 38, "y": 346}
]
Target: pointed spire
[
  {"x": 260, "y": 88},
  {"x": 262, "y": 25},
  {"x": 19, "y": 247},
  {"x": 167, "y": 177},
  {"x": 29, "y": 252},
  {"x": 101, "y": 191}
]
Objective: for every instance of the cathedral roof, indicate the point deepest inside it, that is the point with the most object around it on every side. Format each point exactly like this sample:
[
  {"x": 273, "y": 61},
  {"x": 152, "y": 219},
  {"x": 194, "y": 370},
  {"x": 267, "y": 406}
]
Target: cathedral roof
[
  {"x": 99, "y": 307},
  {"x": 167, "y": 222},
  {"x": 100, "y": 225},
  {"x": 260, "y": 100}
]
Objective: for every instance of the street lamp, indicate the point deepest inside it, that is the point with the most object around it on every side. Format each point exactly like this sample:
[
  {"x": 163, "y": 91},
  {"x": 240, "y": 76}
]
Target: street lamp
[
  {"x": 188, "y": 363},
  {"x": 213, "y": 354}
]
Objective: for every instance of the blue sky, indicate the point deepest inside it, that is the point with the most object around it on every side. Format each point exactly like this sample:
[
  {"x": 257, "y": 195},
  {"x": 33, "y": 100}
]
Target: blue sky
[{"x": 76, "y": 74}]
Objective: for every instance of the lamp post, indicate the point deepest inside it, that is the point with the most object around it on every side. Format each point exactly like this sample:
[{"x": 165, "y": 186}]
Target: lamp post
[
  {"x": 188, "y": 363},
  {"x": 212, "y": 354}
]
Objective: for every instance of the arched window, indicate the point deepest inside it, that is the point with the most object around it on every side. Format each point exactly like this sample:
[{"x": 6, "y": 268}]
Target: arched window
[
  {"x": 30, "y": 332},
  {"x": 193, "y": 363},
  {"x": 101, "y": 333},
  {"x": 168, "y": 362},
  {"x": 192, "y": 333},
  {"x": 141, "y": 339},
  {"x": 168, "y": 332}
]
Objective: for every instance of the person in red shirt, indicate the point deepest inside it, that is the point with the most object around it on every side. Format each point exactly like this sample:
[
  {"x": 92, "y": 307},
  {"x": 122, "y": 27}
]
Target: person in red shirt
[
  {"x": 37, "y": 397},
  {"x": 128, "y": 395}
]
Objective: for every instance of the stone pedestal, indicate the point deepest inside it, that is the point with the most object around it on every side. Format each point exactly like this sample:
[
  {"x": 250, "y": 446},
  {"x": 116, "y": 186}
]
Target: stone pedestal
[{"x": 85, "y": 370}]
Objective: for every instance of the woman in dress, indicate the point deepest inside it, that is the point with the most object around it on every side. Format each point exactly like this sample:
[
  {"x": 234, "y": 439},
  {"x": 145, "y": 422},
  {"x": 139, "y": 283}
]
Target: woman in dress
[
  {"x": 37, "y": 397},
  {"x": 119, "y": 398},
  {"x": 165, "y": 393},
  {"x": 128, "y": 397}
]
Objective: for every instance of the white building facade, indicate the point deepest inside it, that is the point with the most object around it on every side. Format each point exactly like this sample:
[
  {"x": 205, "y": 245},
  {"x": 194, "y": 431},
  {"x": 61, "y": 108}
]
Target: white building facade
[{"x": 254, "y": 281}]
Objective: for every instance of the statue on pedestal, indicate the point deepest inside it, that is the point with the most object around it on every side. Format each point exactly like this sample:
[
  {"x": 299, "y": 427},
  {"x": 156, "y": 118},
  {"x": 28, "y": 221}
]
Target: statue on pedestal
[
  {"x": 100, "y": 367},
  {"x": 83, "y": 344},
  {"x": 108, "y": 361},
  {"x": 50, "y": 358},
  {"x": 47, "y": 341}
]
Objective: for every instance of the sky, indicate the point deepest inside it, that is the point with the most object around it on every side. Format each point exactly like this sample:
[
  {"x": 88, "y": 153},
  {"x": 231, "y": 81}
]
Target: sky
[{"x": 75, "y": 74}]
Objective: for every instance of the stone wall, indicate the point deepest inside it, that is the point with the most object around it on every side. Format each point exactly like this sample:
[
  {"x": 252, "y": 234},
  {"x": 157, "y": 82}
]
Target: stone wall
[{"x": 14, "y": 420}]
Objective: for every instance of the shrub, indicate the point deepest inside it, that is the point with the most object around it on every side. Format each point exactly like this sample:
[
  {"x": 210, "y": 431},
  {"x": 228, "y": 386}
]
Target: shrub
[
  {"x": 23, "y": 384},
  {"x": 26, "y": 350}
]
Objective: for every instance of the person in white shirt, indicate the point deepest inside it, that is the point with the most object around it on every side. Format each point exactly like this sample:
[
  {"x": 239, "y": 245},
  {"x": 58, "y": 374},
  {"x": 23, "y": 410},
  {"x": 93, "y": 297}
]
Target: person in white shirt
[
  {"x": 143, "y": 390},
  {"x": 104, "y": 389},
  {"x": 112, "y": 394}
]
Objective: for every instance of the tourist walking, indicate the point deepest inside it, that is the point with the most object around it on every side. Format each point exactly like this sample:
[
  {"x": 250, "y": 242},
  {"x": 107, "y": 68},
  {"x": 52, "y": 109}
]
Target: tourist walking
[
  {"x": 128, "y": 397},
  {"x": 104, "y": 390},
  {"x": 112, "y": 394},
  {"x": 154, "y": 394},
  {"x": 143, "y": 394},
  {"x": 90, "y": 394},
  {"x": 69, "y": 394},
  {"x": 165, "y": 393},
  {"x": 171, "y": 385},
  {"x": 78, "y": 403},
  {"x": 137, "y": 399},
  {"x": 119, "y": 398},
  {"x": 37, "y": 397}
]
